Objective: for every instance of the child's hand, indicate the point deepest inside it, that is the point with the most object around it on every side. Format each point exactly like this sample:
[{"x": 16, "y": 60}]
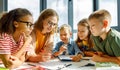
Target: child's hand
[
  {"x": 63, "y": 48},
  {"x": 27, "y": 39},
  {"x": 89, "y": 53},
  {"x": 76, "y": 58},
  {"x": 96, "y": 58},
  {"x": 99, "y": 53}
]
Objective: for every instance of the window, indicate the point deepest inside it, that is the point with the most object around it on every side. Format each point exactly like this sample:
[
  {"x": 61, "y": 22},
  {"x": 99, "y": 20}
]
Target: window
[
  {"x": 111, "y": 6},
  {"x": 81, "y": 9},
  {"x": 32, "y": 5},
  {"x": 61, "y": 7}
]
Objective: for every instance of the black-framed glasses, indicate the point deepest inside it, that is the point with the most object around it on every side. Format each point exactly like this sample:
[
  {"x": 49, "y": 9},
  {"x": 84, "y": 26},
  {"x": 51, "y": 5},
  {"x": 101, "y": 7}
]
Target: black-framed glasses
[
  {"x": 29, "y": 24},
  {"x": 51, "y": 23}
]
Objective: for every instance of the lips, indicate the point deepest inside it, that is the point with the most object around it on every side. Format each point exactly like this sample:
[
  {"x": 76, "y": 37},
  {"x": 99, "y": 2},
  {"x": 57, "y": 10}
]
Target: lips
[{"x": 49, "y": 29}]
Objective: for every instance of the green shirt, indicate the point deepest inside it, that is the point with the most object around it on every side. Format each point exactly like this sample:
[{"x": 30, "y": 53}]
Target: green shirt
[{"x": 109, "y": 46}]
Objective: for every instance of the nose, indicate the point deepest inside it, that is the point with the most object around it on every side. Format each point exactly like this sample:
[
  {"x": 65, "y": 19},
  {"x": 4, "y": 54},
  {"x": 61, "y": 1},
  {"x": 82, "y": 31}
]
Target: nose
[{"x": 51, "y": 25}]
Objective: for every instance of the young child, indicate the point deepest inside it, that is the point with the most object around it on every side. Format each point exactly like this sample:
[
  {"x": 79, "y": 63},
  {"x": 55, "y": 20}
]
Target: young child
[
  {"x": 83, "y": 40},
  {"x": 15, "y": 29},
  {"x": 106, "y": 39},
  {"x": 67, "y": 45}
]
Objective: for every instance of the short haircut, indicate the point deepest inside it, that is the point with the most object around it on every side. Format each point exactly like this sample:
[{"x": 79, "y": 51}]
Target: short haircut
[
  {"x": 100, "y": 15},
  {"x": 65, "y": 27}
]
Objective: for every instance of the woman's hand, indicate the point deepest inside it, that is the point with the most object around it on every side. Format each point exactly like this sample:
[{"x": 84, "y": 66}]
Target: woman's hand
[{"x": 46, "y": 56}]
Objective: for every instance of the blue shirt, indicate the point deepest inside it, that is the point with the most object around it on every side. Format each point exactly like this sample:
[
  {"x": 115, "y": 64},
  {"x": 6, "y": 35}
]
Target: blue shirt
[{"x": 71, "y": 47}]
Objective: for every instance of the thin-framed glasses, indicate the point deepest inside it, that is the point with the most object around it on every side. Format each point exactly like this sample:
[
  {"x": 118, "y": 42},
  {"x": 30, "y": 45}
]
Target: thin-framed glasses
[
  {"x": 29, "y": 24},
  {"x": 51, "y": 23}
]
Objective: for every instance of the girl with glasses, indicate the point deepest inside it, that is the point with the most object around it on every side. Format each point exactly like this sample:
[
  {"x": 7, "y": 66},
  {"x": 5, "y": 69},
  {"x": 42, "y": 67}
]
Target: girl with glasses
[{"x": 15, "y": 37}]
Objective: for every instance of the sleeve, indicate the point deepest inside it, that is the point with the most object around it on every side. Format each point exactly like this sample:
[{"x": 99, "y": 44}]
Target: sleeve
[
  {"x": 57, "y": 47},
  {"x": 77, "y": 50},
  {"x": 5, "y": 45},
  {"x": 116, "y": 46}
]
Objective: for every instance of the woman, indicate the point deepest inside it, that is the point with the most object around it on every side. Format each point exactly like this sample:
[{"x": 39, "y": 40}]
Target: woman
[
  {"x": 15, "y": 29},
  {"x": 42, "y": 35}
]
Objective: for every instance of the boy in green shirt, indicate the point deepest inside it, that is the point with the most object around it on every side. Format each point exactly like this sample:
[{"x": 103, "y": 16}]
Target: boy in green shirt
[{"x": 106, "y": 40}]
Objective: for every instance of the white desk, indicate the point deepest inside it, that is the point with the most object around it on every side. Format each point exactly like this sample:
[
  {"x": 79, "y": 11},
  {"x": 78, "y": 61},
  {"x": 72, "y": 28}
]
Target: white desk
[{"x": 55, "y": 64}]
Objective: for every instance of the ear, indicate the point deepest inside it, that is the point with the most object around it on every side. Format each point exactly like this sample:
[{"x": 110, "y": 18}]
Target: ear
[
  {"x": 16, "y": 24},
  {"x": 71, "y": 34},
  {"x": 105, "y": 23}
]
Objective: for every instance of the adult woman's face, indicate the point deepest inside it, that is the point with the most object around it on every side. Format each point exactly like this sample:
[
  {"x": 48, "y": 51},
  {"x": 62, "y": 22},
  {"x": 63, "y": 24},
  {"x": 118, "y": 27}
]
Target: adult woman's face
[{"x": 49, "y": 24}]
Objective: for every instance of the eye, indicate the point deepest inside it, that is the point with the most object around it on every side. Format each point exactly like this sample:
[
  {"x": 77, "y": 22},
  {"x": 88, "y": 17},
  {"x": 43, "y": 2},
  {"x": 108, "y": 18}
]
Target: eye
[
  {"x": 31, "y": 25},
  {"x": 51, "y": 23}
]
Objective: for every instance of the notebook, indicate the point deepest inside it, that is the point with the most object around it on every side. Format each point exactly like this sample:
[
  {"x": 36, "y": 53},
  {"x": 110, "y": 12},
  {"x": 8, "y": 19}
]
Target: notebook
[{"x": 65, "y": 57}]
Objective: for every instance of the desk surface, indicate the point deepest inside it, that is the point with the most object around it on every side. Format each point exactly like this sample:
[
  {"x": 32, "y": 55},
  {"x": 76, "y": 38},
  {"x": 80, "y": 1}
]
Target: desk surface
[{"x": 55, "y": 64}]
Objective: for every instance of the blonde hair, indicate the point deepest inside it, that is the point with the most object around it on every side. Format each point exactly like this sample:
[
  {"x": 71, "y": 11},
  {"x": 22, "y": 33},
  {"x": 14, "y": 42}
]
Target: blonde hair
[
  {"x": 101, "y": 15},
  {"x": 65, "y": 27}
]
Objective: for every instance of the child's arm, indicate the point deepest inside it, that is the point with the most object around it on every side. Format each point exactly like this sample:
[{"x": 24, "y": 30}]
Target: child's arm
[
  {"x": 23, "y": 48},
  {"x": 61, "y": 50},
  {"x": 10, "y": 61},
  {"x": 89, "y": 53},
  {"x": 106, "y": 58},
  {"x": 78, "y": 53}
]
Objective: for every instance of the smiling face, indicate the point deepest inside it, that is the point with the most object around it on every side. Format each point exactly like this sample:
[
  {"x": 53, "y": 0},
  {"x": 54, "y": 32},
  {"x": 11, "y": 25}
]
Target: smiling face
[
  {"x": 49, "y": 24},
  {"x": 96, "y": 27},
  {"x": 83, "y": 32},
  {"x": 65, "y": 35}
]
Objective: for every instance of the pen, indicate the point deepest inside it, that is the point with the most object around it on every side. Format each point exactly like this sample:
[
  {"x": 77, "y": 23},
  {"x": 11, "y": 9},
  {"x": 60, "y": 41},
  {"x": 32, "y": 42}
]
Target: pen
[
  {"x": 31, "y": 64},
  {"x": 68, "y": 65}
]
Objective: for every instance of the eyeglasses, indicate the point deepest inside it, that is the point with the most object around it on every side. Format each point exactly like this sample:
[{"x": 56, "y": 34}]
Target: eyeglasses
[
  {"x": 51, "y": 23},
  {"x": 29, "y": 24}
]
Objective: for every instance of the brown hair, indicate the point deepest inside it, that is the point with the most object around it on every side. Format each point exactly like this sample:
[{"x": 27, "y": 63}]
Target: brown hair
[
  {"x": 44, "y": 15},
  {"x": 84, "y": 22},
  {"x": 101, "y": 15},
  {"x": 7, "y": 20}
]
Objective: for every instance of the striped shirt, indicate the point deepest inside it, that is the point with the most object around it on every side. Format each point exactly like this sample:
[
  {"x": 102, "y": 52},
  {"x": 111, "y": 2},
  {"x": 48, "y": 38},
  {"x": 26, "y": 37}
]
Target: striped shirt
[{"x": 8, "y": 44}]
